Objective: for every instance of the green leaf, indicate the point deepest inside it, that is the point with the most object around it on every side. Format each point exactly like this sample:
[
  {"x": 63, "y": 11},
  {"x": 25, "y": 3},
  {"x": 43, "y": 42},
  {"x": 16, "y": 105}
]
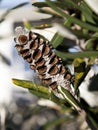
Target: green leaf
[
  {"x": 71, "y": 99},
  {"x": 40, "y": 94},
  {"x": 90, "y": 120},
  {"x": 58, "y": 3},
  {"x": 86, "y": 54},
  {"x": 40, "y": 4},
  {"x": 61, "y": 102},
  {"x": 87, "y": 12},
  {"x": 92, "y": 43},
  {"x": 38, "y": 90},
  {"x": 44, "y": 23},
  {"x": 73, "y": 19},
  {"x": 27, "y": 24},
  {"x": 83, "y": 7},
  {"x": 57, "y": 40},
  {"x": 80, "y": 70}
]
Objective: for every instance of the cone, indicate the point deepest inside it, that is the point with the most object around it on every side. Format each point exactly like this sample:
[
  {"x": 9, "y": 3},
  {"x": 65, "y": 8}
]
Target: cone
[{"x": 42, "y": 58}]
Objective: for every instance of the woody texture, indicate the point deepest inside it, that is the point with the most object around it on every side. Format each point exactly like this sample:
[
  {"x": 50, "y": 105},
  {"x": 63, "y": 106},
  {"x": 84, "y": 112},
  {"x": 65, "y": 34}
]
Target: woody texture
[{"x": 41, "y": 57}]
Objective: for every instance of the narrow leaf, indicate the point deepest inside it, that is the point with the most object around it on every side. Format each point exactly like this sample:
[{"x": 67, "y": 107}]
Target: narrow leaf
[
  {"x": 57, "y": 40},
  {"x": 58, "y": 3},
  {"x": 74, "y": 55},
  {"x": 71, "y": 99},
  {"x": 38, "y": 90},
  {"x": 73, "y": 19}
]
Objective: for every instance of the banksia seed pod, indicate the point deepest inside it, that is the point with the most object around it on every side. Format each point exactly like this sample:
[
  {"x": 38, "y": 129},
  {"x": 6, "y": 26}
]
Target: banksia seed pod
[{"x": 42, "y": 58}]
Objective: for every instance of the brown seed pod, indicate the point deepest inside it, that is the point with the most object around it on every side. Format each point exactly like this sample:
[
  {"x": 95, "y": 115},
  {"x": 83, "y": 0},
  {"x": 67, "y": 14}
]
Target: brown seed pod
[
  {"x": 22, "y": 39},
  {"x": 42, "y": 76},
  {"x": 39, "y": 54},
  {"x": 45, "y": 50},
  {"x": 24, "y": 51},
  {"x": 19, "y": 47},
  {"x": 68, "y": 76},
  {"x": 42, "y": 69},
  {"x": 53, "y": 85},
  {"x": 40, "y": 62},
  {"x": 54, "y": 60},
  {"x": 34, "y": 45},
  {"x": 46, "y": 81},
  {"x": 32, "y": 67},
  {"x": 62, "y": 70},
  {"x": 28, "y": 58},
  {"x": 53, "y": 70}
]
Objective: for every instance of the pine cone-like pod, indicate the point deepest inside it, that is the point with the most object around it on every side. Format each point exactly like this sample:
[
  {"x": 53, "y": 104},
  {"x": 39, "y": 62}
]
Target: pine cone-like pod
[{"x": 42, "y": 58}]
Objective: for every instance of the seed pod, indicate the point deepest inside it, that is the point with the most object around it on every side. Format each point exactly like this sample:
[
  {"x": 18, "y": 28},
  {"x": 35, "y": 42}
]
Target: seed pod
[{"x": 42, "y": 58}]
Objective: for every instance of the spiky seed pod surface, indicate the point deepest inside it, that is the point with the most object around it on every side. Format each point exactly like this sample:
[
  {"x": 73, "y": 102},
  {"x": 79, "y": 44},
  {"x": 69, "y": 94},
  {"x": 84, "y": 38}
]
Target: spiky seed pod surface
[{"x": 42, "y": 58}]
